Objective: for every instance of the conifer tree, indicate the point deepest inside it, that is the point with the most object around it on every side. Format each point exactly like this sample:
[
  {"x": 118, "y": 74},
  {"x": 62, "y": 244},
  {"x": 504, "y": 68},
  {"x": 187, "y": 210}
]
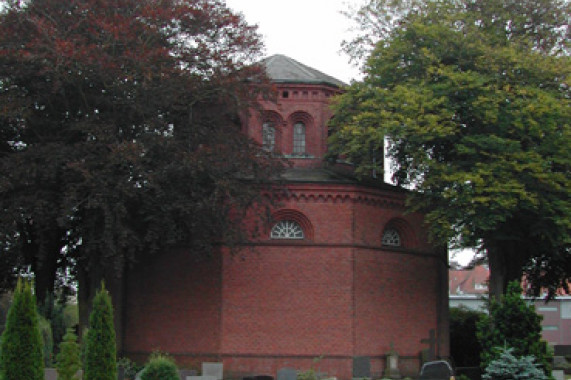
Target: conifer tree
[
  {"x": 21, "y": 355},
  {"x": 513, "y": 323},
  {"x": 68, "y": 361},
  {"x": 100, "y": 356}
]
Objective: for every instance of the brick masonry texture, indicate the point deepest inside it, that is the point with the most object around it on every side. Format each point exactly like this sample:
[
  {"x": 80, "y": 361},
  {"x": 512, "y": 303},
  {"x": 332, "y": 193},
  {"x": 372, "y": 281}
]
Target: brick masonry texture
[{"x": 335, "y": 295}]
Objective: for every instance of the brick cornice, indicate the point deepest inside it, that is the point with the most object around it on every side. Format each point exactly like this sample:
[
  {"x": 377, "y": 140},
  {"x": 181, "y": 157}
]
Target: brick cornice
[{"x": 341, "y": 193}]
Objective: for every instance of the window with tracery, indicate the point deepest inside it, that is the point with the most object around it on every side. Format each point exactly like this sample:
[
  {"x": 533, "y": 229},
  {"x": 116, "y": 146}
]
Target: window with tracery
[
  {"x": 286, "y": 229},
  {"x": 268, "y": 136},
  {"x": 299, "y": 138},
  {"x": 391, "y": 238}
]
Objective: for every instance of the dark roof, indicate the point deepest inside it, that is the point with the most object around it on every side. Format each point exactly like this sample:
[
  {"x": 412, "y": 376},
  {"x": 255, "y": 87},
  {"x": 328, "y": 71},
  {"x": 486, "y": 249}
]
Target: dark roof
[{"x": 282, "y": 69}]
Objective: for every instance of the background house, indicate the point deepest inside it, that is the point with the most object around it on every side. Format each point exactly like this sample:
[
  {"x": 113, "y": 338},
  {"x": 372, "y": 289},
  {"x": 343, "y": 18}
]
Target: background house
[{"x": 467, "y": 287}]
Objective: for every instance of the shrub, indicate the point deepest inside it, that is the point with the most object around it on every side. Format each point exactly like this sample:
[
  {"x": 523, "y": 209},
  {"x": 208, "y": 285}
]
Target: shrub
[
  {"x": 160, "y": 367},
  {"x": 509, "y": 367},
  {"x": 131, "y": 368},
  {"x": 100, "y": 350},
  {"x": 513, "y": 323},
  {"x": 47, "y": 340},
  {"x": 464, "y": 345},
  {"x": 68, "y": 361},
  {"x": 22, "y": 343}
]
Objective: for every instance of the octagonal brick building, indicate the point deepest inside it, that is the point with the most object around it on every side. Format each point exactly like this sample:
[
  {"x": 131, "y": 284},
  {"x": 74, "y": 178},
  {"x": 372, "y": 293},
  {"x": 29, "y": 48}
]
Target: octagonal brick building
[{"x": 343, "y": 275}]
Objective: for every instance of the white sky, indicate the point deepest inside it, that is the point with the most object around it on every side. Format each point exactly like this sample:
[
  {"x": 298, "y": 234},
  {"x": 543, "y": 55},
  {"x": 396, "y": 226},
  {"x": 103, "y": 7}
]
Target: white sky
[{"x": 309, "y": 31}]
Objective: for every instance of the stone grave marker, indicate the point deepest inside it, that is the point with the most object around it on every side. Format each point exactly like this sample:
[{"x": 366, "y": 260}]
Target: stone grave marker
[
  {"x": 361, "y": 367},
  {"x": 558, "y": 374},
  {"x": 213, "y": 369},
  {"x": 50, "y": 374},
  {"x": 287, "y": 373},
  {"x": 183, "y": 373},
  {"x": 203, "y": 377},
  {"x": 436, "y": 370}
]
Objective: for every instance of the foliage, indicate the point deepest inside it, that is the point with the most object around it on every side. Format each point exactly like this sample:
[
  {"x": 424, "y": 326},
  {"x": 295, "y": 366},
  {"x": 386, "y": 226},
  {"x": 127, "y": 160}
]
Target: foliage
[
  {"x": 310, "y": 374},
  {"x": 52, "y": 309},
  {"x": 509, "y": 367},
  {"x": 68, "y": 360},
  {"x": 130, "y": 368},
  {"x": 542, "y": 23},
  {"x": 464, "y": 345},
  {"x": 160, "y": 367},
  {"x": 47, "y": 340},
  {"x": 479, "y": 126},
  {"x": 100, "y": 352},
  {"x": 512, "y": 322},
  {"x": 21, "y": 355},
  {"x": 119, "y": 133}
]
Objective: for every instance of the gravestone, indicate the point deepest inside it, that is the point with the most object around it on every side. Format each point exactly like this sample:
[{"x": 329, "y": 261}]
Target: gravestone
[
  {"x": 287, "y": 373},
  {"x": 203, "y": 377},
  {"x": 558, "y": 374},
  {"x": 183, "y": 373},
  {"x": 50, "y": 374},
  {"x": 436, "y": 370},
  {"x": 361, "y": 367},
  {"x": 213, "y": 369},
  {"x": 263, "y": 377}
]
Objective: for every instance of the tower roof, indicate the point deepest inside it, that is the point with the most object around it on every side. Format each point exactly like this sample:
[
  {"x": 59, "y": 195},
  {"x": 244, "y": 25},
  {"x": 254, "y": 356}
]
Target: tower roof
[{"x": 283, "y": 69}]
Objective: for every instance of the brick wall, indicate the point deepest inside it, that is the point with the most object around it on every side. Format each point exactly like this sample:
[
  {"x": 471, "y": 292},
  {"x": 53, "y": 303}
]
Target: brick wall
[{"x": 284, "y": 303}]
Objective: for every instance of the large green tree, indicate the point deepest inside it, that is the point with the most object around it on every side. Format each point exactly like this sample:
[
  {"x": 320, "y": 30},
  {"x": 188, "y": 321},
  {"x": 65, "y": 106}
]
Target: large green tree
[
  {"x": 478, "y": 124},
  {"x": 120, "y": 133}
]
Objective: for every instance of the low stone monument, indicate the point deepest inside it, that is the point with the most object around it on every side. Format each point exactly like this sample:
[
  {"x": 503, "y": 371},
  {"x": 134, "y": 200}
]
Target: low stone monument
[{"x": 213, "y": 369}]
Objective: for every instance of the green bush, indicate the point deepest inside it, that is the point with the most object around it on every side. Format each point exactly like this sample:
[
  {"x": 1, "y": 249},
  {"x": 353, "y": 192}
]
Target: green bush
[
  {"x": 47, "y": 340},
  {"x": 307, "y": 375},
  {"x": 513, "y": 323},
  {"x": 130, "y": 367},
  {"x": 100, "y": 349},
  {"x": 464, "y": 345},
  {"x": 509, "y": 367},
  {"x": 68, "y": 361},
  {"x": 21, "y": 356},
  {"x": 160, "y": 367}
]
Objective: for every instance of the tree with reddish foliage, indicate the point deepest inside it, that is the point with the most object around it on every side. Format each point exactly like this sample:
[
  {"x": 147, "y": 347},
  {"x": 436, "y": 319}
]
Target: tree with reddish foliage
[{"x": 120, "y": 133}]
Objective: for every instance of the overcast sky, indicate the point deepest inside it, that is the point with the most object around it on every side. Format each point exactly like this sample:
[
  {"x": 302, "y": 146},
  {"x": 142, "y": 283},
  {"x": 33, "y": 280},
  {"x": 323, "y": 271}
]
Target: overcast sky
[{"x": 309, "y": 31}]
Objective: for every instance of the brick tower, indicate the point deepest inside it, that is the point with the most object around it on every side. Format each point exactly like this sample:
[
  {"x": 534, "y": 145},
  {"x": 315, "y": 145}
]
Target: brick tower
[{"x": 342, "y": 274}]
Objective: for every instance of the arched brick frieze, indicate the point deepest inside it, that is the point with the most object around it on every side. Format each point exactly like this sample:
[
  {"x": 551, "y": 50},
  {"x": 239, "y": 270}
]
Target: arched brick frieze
[
  {"x": 290, "y": 219},
  {"x": 398, "y": 233}
]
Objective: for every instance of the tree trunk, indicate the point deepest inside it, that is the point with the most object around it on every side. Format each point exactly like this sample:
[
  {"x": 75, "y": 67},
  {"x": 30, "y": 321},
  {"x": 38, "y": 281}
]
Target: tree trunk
[{"x": 506, "y": 265}]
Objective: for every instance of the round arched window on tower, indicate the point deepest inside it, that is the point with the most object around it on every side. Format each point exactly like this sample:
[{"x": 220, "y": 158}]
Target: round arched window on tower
[{"x": 391, "y": 237}]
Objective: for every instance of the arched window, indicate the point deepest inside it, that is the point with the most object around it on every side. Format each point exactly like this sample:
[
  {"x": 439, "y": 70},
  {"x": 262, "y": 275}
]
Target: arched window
[
  {"x": 287, "y": 229},
  {"x": 391, "y": 237},
  {"x": 299, "y": 138},
  {"x": 268, "y": 136}
]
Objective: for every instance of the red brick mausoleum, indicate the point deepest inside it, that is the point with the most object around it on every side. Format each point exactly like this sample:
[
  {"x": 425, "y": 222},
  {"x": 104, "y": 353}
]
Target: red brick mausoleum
[{"x": 343, "y": 274}]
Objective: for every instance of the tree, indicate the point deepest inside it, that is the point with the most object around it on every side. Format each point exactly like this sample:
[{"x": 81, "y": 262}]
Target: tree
[
  {"x": 100, "y": 351},
  {"x": 21, "y": 355},
  {"x": 513, "y": 323},
  {"x": 464, "y": 346},
  {"x": 120, "y": 134},
  {"x": 68, "y": 359},
  {"x": 509, "y": 367},
  {"x": 479, "y": 126}
]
